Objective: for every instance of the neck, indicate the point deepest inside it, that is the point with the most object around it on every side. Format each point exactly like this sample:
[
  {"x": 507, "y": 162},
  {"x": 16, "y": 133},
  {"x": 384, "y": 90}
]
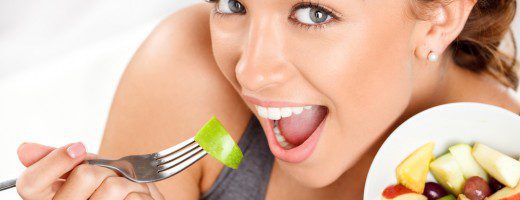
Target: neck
[{"x": 454, "y": 84}]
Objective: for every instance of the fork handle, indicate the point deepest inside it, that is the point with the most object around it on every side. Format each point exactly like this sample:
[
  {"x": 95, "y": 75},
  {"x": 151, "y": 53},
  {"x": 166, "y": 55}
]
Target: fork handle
[{"x": 7, "y": 184}]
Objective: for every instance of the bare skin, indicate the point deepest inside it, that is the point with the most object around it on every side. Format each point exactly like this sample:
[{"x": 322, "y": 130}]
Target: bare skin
[{"x": 196, "y": 65}]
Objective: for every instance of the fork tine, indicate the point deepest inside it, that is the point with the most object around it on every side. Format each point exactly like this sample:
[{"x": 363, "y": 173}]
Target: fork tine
[
  {"x": 183, "y": 165},
  {"x": 177, "y": 154},
  {"x": 180, "y": 159},
  {"x": 175, "y": 148}
]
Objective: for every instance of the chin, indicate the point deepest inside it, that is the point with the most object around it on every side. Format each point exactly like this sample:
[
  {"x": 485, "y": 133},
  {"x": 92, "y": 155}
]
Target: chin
[{"x": 319, "y": 171}]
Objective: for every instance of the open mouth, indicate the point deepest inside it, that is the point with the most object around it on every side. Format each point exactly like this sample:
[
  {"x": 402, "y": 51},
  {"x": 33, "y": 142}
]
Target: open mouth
[{"x": 293, "y": 132}]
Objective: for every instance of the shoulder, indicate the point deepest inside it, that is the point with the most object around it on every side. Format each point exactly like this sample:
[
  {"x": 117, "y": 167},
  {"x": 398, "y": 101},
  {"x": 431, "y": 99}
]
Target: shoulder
[
  {"x": 188, "y": 28},
  {"x": 171, "y": 87}
]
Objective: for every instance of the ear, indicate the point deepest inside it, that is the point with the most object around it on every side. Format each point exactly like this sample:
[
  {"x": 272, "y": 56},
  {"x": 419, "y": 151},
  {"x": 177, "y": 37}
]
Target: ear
[{"x": 444, "y": 25}]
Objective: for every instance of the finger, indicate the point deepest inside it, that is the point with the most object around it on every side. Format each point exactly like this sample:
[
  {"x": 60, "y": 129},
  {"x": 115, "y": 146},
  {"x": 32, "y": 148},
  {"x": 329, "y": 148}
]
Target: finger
[
  {"x": 88, "y": 157},
  {"x": 30, "y": 153},
  {"x": 154, "y": 191},
  {"x": 46, "y": 193},
  {"x": 138, "y": 196},
  {"x": 83, "y": 181},
  {"x": 55, "y": 187},
  {"x": 42, "y": 174},
  {"x": 118, "y": 188}
]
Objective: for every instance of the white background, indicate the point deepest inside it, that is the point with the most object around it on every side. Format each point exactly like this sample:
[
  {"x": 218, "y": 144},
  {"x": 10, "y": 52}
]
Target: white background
[{"x": 60, "y": 62}]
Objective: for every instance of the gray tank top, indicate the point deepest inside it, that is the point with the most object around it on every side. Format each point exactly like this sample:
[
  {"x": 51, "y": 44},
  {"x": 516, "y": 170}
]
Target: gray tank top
[{"x": 250, "y": 180}]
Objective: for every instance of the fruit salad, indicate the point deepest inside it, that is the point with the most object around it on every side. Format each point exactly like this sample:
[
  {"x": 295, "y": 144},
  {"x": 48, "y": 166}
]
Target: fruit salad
[{"x": 465, "y": 172}]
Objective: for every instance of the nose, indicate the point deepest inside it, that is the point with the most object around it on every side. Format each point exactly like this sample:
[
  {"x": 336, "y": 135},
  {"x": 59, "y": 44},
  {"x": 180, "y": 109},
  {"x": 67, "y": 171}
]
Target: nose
[{"x": 262, "y": 63}]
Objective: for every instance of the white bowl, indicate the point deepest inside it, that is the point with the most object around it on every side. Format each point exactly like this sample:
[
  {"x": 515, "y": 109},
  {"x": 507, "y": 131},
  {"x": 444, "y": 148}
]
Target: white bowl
[{"x": 445, "y": 125}]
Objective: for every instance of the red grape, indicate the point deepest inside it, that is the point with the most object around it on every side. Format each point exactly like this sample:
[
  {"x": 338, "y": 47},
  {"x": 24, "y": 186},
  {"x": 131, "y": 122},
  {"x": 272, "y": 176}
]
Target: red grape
[
  {"x": 476, "y": 188},
  {"x": 495, "y": 185},
  {"x": 434, "y": 191}
]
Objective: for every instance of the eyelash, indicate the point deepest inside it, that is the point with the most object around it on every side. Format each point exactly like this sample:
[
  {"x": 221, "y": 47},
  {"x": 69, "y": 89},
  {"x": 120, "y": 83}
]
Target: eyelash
[
  {"x": 309, "y": 4},
  {"x": 302, "y": 4},
  {"x": 215, "y": 11}
]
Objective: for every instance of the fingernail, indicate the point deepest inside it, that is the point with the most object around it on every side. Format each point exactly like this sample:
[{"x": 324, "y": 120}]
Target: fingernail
[{"x": 76, "y": 149}]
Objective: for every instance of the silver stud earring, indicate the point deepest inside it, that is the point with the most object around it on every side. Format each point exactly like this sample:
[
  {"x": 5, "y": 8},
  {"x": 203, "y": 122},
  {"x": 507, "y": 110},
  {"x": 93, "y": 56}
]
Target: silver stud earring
[{"x": 433, "y": 57}]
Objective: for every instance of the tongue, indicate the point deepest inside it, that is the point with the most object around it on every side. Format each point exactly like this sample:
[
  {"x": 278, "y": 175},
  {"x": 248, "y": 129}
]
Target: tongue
[{"x": 297, "y": 128}]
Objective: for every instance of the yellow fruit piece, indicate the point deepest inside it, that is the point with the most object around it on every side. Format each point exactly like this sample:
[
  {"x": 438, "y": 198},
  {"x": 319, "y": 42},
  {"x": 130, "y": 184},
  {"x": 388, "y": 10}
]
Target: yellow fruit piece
[{"x": 412, "y": 172}]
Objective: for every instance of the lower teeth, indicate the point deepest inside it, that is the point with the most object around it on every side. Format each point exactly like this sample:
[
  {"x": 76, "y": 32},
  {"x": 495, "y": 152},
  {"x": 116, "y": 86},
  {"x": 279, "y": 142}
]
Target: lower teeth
[{"x": 279, "y": 137}]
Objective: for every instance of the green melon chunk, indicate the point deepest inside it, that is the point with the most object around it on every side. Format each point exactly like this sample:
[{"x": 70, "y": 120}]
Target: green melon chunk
[
  {"x": 448, "y": 197},
  {"x": 215, "y": 140}
]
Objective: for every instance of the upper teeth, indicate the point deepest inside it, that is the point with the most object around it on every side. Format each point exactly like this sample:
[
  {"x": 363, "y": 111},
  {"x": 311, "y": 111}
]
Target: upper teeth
[{"x": 278, "y": 113}]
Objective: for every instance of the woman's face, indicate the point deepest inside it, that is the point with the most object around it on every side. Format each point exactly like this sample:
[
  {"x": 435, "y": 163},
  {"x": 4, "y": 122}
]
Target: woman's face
[{"x": 350, "y": 61}]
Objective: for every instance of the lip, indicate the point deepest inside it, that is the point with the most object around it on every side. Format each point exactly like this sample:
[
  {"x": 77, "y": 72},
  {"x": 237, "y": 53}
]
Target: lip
[
  {"x": 274, "y": 104},
  {"x": 294, "y": 155},
  {"x": 297, "y": 154}
]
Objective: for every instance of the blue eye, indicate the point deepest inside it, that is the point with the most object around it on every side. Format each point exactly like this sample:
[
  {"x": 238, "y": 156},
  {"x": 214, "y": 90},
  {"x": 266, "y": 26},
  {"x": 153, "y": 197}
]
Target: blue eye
[
  {"x": 312, "y": 15},
  {"x": 230, "y": 7}
]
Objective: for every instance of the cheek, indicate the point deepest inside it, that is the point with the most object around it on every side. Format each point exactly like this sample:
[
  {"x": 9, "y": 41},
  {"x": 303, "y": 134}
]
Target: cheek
[
  {"x": 367, "y": 77},
  {"x": 363, "y": 64},
  {"x": 358, "y": 67},
  {"x": 226, "y": 42}
]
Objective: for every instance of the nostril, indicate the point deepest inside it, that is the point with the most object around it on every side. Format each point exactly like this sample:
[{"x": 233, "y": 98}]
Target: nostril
[{"x": 259, "y": 81}]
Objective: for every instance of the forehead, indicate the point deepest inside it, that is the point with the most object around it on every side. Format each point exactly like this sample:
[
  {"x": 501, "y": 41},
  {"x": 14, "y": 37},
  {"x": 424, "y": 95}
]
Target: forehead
[
  {"x": 344, "y": 7},
  {"x": 353, "y": 9},
  {"x": 335, "y": 3}
]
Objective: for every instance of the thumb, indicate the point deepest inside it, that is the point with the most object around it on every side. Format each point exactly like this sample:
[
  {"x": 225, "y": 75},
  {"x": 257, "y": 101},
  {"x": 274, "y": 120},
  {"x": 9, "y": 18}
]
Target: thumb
[{"x": 30, "y": 153}]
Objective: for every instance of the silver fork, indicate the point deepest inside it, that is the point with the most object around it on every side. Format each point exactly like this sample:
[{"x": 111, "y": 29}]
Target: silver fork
[{"x": 149, "y": 167}]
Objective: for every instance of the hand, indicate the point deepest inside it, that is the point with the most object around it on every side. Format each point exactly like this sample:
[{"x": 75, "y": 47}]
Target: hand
[{"x": 59, "y": 174}]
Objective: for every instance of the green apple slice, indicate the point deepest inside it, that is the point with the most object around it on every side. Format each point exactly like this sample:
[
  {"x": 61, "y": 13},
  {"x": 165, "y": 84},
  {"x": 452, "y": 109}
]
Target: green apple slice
[
  {"x": 447, "y": 172},
  {"x": 448, "y": 197},
  {"x": 217, "y": 142},
  {"x": 501, "y": 167},
  {"x": 468, "y": 164}
]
